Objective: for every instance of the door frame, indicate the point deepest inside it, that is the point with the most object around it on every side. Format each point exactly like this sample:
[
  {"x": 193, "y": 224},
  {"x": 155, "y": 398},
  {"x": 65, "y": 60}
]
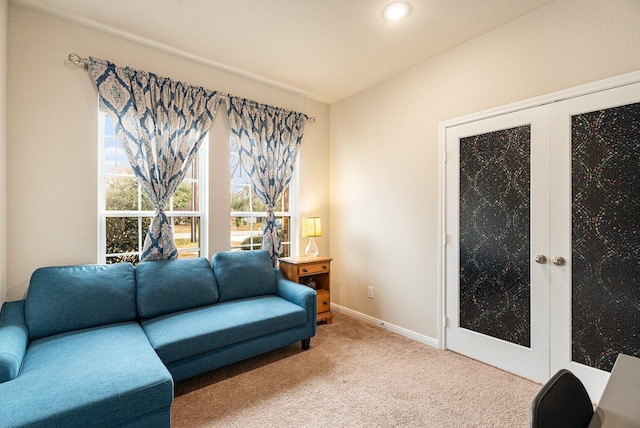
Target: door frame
[{"x": 578, "y": 91}]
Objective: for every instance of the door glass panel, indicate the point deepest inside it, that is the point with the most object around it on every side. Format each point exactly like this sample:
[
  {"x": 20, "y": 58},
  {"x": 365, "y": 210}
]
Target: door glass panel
[
  {"x": 605, "y": 235},
  {"x": 495, "y": 234}
]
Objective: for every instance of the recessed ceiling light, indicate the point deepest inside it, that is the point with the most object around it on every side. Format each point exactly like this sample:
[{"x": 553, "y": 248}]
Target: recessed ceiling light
[{"x": 396, "y": 11}]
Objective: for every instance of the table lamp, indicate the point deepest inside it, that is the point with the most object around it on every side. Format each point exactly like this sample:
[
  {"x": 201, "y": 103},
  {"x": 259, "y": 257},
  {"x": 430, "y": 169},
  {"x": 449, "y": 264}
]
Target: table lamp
[{"x": 311, "y": 228}]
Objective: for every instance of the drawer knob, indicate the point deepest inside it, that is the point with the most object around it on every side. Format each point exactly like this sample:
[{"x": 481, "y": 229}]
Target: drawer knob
[
  {"x": 325, "y": 303},
  {"x": 324, "y": 267},
  {"x": 305, "y": 270}
]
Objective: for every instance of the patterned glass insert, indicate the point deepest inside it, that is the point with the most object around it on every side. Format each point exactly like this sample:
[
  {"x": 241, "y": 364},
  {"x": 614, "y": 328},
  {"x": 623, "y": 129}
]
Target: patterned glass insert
[
  {"x": 494, "y": 234},
  {"x": 606, "y": 235}
]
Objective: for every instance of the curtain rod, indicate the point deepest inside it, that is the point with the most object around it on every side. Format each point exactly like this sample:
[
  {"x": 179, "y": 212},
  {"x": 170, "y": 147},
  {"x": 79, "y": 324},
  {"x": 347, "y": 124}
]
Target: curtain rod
[{"x": 77, "y": 60}]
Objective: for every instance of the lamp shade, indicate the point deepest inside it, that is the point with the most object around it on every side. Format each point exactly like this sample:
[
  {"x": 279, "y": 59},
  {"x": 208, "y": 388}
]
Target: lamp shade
[{"x": 311, "y": 227}]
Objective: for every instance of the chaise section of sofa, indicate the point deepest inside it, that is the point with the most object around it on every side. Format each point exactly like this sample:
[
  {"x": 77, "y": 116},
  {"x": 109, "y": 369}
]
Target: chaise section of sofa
[{"x": 85, "y": 360}]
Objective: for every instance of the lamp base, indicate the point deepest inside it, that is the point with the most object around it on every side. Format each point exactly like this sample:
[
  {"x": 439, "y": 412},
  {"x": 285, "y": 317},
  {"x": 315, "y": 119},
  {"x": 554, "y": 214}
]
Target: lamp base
[{"x": 312, "y": 249}]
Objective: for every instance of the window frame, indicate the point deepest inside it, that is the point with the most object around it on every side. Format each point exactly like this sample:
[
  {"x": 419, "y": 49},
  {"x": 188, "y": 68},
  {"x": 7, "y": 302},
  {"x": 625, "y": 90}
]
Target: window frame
[
  {"x": 291, "y": 214},
  {"x": 202, "y": 212}
]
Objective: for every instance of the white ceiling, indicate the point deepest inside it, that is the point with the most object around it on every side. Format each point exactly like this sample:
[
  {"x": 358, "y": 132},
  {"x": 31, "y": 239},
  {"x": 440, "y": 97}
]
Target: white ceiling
[{"x": 325, "y": 49}]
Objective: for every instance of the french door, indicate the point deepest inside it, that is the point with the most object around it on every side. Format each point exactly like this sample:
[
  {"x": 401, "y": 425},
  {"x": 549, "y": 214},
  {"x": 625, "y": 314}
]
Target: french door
[
  {"x": 595, "y": 212},
  {"x": 542, "y": 226},
  {"x": 497, "y": 297}
]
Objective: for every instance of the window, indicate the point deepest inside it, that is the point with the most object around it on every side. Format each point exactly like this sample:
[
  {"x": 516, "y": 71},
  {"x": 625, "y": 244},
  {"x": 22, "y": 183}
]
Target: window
[
  {"x": 248, "y": 214},
  {"x": 125, "y": 210}
]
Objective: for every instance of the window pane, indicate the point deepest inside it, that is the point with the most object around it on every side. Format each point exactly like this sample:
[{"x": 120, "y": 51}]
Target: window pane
[
  {"x": 257, "y": 205},
  {"x": 188, "y": 254},
  {"x": 286, "y": 250},
  {"x": 245, "y": 233},
  {"x": 109, "y": 130},
  {"x": 252, "y": 242},
  {"x": 131, "y": 258},
  {"x": 185, "y": 196},
  {"x": 257, "y": 224},
  {"x": 186, "y": 233},
  {"x": 145, "y": 202},
  {"x": 192, "y": 170},
  {"x": 239, "y": 198},
  {"x": 115, "y": 159},
  {"x": 121, "y": 193},
  {"x": 283, "y": 228},
  {"x": 278, "y": 206},
  {"x": 125, "y": 235},
  {"x": 283, "y": 202},
  {"x": 237, "y": 234},
  {"x": 122, "y": 234},
  {"x": 145, "y": 222}
]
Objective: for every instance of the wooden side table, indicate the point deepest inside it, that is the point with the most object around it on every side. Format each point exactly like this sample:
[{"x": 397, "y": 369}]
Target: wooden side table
[{"x": 314, "y": 272}]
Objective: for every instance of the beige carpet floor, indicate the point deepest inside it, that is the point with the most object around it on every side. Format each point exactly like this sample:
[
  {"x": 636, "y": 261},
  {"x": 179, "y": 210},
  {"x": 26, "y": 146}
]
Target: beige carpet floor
[{"x": 355, "y": 375}]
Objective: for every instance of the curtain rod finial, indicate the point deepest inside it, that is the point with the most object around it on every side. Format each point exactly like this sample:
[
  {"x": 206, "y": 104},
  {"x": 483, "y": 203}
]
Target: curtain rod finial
[{"x": 77, "y": 60}]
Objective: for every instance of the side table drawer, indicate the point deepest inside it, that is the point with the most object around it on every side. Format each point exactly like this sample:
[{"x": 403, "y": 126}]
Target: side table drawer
[
  {"x": 311, "y": 269},
  {"x": 323, "y": 301}
]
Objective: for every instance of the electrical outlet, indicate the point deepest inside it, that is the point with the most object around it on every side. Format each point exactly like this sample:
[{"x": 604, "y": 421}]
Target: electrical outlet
[{"x": 370, "y": 293}]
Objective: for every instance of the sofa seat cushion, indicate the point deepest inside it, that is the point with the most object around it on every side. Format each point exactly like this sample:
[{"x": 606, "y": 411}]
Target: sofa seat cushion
[
  {"x": 102, "y": 376},
  {"x": 189, "y": 333},
  {"x": 167, "y": 286}
]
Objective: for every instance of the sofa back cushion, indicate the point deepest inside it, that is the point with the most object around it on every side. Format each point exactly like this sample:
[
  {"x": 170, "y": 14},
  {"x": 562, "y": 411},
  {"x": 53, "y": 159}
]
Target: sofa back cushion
[
  {"x": 66, "y": 298},
  {"x": 243, "y": 274},
  {"x": 174, "y": 285}
]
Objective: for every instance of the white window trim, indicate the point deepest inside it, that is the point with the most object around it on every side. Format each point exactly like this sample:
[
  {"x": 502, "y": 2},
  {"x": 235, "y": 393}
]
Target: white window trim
[
  {"x": 203, "y": 198},
  {"x": 293, "y": 214}
]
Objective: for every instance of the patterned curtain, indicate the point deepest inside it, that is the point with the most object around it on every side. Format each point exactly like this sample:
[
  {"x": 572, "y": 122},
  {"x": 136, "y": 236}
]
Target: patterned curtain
[
  {"x": 268, "y": 139},
  {"x": 160, "y": 124}
]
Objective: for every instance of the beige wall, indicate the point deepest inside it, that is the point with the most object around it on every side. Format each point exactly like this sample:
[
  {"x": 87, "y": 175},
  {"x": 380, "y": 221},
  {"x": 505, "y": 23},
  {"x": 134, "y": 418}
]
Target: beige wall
[
  {"x": 52, "y": 141},
  {"x": 384, "y": 165},
  {"x": 3, "y": 149}
]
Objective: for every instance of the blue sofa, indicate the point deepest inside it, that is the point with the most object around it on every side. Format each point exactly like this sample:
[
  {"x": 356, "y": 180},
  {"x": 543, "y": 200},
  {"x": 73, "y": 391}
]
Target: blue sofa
[{"x": 102, "y": 345}]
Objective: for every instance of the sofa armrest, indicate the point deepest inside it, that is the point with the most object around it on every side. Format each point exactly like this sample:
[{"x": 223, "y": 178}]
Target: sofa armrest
[
  {"x": 14, "y": 337},
  {"x": 296, "y": 293}
]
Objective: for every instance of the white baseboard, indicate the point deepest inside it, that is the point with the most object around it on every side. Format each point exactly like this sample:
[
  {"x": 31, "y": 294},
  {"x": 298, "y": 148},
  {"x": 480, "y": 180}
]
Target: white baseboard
[{"x": 392, "y": 328}]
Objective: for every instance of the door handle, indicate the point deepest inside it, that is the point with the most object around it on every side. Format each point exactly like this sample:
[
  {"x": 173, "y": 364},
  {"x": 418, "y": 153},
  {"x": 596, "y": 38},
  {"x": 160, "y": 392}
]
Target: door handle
[
  {"x": 541, "y": 258},
  {"x": 559, "y": 261}
]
